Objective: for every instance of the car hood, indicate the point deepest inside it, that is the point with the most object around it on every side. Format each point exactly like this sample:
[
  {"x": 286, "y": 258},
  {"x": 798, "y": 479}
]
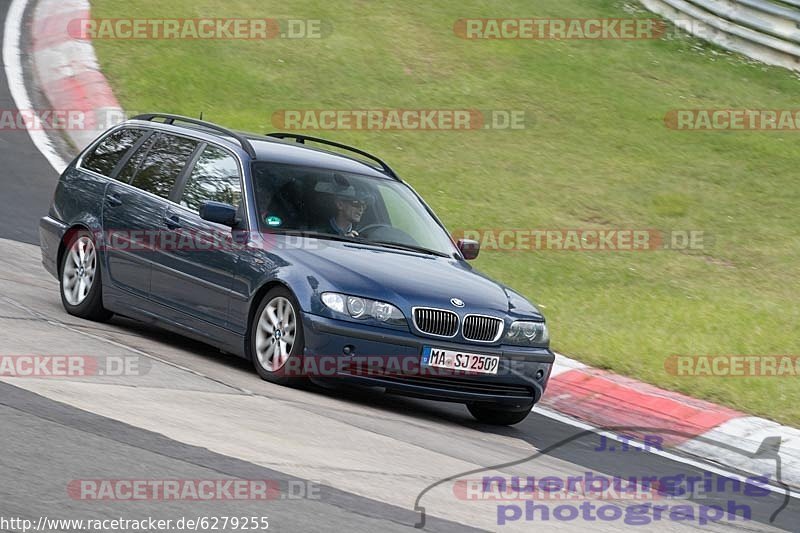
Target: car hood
[{"x": 406, "y": 279}]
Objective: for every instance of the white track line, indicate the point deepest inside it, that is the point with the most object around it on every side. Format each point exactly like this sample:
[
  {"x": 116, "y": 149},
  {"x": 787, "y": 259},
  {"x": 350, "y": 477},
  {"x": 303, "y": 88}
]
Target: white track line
[{"x": 16, "y": 82}]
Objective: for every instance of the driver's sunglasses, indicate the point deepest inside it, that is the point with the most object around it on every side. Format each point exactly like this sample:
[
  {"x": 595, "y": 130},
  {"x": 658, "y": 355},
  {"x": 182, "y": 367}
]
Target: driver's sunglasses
[{"x": 359, "y": 204}]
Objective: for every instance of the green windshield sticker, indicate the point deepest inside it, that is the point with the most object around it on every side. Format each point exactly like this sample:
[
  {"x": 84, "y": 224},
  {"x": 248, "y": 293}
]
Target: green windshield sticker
[{"x": 273, "y": 221}]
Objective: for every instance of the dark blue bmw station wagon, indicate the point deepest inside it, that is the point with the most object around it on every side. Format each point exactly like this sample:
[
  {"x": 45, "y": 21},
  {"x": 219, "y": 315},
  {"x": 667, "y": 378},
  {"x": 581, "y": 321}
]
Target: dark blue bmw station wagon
[{"x": 311, "y": 262}]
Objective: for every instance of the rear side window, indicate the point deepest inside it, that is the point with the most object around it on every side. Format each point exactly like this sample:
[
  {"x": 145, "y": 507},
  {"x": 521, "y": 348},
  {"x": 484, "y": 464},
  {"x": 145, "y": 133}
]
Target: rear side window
[
  {"x": 215, "y": 177},
  {"x": 163, "y": 164},
  {"x": 110, "y": 151}
]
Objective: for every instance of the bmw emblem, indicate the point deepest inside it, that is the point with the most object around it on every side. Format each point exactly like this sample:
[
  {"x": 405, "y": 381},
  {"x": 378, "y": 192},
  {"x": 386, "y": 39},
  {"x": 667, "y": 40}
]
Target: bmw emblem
[{"x": 456, "y": 302}]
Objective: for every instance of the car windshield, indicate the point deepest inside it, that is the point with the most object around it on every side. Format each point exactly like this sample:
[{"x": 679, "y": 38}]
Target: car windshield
[{"x": 343, "y": 205}]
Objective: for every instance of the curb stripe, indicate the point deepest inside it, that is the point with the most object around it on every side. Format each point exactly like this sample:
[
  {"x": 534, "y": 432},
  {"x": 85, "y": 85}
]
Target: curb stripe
[
  {"x": 67, "y": 70},
  {"x": 83, "y": 92},
  {"x": 606, "y": 399}
]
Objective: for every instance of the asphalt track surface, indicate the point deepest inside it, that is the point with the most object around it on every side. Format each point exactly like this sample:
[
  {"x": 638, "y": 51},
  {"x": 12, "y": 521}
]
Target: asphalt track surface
[{"x": 358, "y": 461}]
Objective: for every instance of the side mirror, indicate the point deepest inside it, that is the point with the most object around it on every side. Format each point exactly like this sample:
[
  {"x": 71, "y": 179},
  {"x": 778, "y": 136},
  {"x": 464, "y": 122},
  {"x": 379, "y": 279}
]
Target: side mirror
[
  {"x": 219, "y": 213},
  {"x": 469, "y": 248}
]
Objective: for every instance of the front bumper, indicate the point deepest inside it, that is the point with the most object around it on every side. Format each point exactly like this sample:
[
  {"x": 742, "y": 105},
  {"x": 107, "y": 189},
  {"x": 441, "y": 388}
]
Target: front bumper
[
  {"x": 369, "y": 356},
  {"x": 51, "y": 232}
]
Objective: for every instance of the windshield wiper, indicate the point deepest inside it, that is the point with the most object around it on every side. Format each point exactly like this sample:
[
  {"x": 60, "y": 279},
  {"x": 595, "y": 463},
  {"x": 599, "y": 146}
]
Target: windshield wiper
[{"x": 409, "y": 247}]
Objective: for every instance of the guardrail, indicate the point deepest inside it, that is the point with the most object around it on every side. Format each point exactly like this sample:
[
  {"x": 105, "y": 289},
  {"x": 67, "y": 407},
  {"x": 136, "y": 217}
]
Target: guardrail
[{"x": 760, "y": 29}]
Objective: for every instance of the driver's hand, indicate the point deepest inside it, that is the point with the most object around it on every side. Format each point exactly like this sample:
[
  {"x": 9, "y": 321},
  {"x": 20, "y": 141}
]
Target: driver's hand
[{"x": 351, "y": 233}]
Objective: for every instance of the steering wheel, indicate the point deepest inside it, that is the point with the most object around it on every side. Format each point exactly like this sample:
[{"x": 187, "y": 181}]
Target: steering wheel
[
  {"x": 388, "y": 233},
  {"x": 370, "y": 227}
]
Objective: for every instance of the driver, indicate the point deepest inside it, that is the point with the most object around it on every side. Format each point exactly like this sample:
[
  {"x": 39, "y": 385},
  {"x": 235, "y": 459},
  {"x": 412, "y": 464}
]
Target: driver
[{"x": 350, "y": 207}]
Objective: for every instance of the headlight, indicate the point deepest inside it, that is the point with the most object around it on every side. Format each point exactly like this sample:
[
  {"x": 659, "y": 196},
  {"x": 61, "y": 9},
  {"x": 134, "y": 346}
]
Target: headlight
[
  {"x": 356, "y": 306},
  {"x": 523, "y": 333},
  {"x": 364, "y": 308}
]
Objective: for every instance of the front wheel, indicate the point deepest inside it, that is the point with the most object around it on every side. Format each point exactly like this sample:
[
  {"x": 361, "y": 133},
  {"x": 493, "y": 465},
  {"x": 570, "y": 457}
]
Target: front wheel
[
  {"x": 496, "y": 415},
  {"x": 276, "y": 340}
]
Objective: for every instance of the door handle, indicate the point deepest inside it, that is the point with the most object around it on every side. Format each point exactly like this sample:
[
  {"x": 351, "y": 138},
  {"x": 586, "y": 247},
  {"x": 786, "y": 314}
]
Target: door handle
[
  {"x": 113, "y": 200},
  {"x": 172, "y": 221}
]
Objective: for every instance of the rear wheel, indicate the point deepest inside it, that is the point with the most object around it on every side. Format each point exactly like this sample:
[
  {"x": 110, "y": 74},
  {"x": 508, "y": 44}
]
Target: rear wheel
[
  {"x": 81, "y": 284},
  {"x": 496, "y": 415},
  {"x": 276, "y": 340}
]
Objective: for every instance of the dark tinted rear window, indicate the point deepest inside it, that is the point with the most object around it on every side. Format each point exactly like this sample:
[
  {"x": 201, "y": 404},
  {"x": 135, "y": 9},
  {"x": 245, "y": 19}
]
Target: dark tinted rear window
[
  {"x": 163, "y": 163},
  {"x": 108, "y": 153}
]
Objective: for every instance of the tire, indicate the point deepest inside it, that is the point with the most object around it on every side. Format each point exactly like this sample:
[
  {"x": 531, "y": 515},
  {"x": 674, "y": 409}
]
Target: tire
[
  {"x": 498, "y": 416},
  {"x": 80, "y": 279},
  {"x": 264, "y": 345}
]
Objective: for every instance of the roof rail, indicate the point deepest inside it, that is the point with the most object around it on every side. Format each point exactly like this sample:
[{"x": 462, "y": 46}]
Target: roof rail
[
  {"x": 303, "y": 138},
  {"x": 171, "y": 119}
]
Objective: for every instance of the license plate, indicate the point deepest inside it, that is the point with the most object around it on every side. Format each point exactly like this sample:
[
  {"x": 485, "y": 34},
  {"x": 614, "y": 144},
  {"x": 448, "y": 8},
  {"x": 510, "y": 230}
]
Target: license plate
[{"x": 455, "y": 360}]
